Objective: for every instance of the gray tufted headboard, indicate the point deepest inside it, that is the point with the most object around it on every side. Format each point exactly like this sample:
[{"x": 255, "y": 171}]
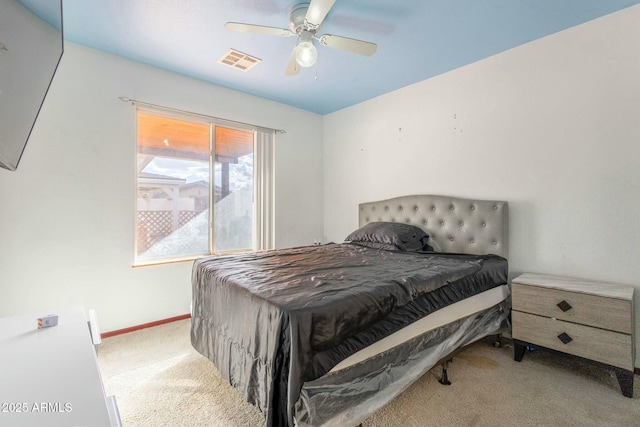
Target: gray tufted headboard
[{"x": 453, "y": 224}]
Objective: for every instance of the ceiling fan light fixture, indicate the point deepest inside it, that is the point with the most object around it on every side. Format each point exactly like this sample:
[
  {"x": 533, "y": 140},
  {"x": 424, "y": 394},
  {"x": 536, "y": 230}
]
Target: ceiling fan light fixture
[{"x": 306, "y": 52}]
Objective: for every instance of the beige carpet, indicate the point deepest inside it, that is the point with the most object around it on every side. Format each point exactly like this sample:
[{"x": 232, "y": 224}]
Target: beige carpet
[{"x": 159, "y": 380}]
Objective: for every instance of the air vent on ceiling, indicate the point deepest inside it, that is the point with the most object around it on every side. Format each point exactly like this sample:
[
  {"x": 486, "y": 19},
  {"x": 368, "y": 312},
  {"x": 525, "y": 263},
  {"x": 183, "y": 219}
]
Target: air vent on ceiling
[{"x": 239, "y": 60}]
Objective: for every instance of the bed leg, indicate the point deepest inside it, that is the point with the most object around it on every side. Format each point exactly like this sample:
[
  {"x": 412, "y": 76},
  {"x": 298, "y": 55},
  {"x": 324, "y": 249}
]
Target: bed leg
[
  {"x": 497, "y": 343},
  {"x": 444, "y": 380}
]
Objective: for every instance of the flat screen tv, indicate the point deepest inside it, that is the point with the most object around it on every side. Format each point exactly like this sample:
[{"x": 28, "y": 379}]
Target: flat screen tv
[{"x": 31, "y": 45}]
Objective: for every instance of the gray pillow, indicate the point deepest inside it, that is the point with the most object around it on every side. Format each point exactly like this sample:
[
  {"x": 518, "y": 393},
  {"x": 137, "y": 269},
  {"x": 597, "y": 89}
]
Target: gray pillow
[{"x": 391, "y": 236}]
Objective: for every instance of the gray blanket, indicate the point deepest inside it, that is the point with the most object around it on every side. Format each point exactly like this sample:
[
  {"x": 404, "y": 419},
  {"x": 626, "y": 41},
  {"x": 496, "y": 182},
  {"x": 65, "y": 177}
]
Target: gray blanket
[{"x": 272, "y": 320}]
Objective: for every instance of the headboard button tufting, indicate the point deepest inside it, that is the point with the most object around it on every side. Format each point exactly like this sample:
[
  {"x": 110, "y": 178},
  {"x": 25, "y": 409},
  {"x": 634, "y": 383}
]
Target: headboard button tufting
[{"x": 457, "y": 224}]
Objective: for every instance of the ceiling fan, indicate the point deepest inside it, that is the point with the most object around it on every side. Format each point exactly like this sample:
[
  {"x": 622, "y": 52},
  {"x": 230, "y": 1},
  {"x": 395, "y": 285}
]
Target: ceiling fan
[{"x": 304, "y": 21}]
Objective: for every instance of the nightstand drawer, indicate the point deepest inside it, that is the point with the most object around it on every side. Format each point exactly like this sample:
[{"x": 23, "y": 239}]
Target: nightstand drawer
[
  {"x": 594, "y": 310},
  {"x": 604, "y": 346}
]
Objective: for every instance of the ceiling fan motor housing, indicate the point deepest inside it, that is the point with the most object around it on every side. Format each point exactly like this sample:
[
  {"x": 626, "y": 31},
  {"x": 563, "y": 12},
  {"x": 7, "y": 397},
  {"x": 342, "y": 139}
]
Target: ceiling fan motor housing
[{"x": 297, "y": 22}]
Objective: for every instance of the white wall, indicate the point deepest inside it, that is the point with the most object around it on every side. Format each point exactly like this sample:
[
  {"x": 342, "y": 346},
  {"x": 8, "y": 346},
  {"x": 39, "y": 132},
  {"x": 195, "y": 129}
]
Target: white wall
[
  {"x": 551, "y": 126},
  {"x": 67, "y": 215}
]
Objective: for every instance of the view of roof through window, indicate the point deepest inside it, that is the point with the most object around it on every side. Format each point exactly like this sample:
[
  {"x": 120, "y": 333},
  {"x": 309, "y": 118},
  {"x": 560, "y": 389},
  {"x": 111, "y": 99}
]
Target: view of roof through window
[{"x": 174, "y": 189}]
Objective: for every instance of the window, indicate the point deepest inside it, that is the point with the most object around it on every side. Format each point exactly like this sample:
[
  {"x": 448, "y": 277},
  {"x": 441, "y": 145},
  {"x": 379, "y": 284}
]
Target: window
[{"x": 200, "y": 189}]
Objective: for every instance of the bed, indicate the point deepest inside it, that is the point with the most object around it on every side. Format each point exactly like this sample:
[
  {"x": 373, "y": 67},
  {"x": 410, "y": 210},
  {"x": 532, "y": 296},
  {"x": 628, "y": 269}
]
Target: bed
[{"x": 328, "y": 334}]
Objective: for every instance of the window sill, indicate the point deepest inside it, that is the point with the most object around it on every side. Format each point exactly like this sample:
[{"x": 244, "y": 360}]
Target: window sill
[
  {"x": 163, "y": 262},
  {"x": 186, "y": 259}
]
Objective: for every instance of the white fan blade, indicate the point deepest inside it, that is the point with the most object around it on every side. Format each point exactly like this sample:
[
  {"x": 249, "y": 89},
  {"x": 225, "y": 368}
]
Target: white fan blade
[
  {"x": 350, "y": 45},
  {"x": 292, "y": 67},
  {"x": 258, "y": 29},
  {"x": 317, "y": 11}
]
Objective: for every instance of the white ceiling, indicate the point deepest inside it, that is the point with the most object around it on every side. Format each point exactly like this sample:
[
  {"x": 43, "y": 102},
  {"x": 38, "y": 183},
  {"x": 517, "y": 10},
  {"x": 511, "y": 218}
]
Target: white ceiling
[{"x": 417, "y": 39}]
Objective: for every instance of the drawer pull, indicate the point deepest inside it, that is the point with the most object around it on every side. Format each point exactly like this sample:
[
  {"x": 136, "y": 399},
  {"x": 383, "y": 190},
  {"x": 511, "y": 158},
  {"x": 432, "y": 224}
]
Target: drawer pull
[
  {"x": 565, "y": 338},
  {"x": 564, "y": 306}
]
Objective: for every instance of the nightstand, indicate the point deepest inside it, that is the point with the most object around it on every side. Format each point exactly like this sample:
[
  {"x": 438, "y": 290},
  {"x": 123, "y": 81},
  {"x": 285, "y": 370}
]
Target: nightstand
[{"x": 589, "y": 319}]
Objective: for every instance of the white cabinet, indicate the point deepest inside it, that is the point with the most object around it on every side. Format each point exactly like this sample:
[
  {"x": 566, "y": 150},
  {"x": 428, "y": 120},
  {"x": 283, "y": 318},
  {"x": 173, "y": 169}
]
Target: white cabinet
[{"x": 50, "y": 376}]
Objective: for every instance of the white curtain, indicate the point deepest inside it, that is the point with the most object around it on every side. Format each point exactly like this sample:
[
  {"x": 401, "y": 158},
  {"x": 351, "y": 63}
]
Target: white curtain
[{"x": 264, "y": 189}]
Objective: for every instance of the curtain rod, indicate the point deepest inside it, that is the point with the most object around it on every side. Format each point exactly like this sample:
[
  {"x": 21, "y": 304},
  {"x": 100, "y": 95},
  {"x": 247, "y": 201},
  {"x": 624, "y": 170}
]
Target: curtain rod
[{"x": 232, "y": 122}]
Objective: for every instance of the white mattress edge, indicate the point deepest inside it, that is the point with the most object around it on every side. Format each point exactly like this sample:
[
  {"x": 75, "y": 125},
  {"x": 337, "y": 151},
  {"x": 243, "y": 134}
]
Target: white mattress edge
[{"x": 460, "y": 309}]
